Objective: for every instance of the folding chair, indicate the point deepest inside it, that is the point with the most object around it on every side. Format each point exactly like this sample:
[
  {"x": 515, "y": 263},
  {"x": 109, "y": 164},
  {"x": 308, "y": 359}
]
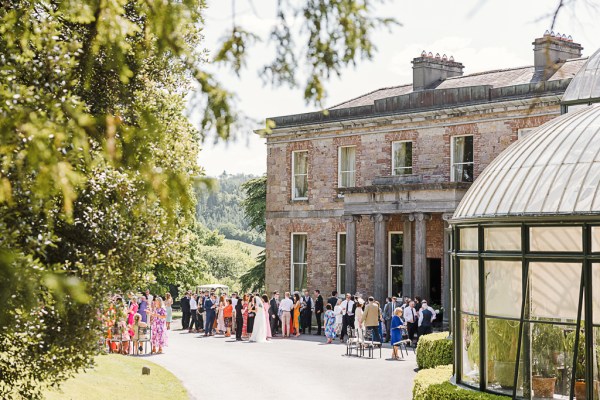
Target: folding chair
[{"x": 117, "y": 338}]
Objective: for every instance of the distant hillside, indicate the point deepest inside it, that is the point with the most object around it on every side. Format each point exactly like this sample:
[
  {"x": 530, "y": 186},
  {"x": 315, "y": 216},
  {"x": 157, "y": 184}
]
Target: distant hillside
[{"x": 221, "y": 209}]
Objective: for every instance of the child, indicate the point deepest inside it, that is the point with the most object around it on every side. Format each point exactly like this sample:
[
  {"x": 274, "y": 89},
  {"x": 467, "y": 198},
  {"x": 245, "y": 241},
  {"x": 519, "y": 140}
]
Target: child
[
  {"x": 227, "y": 315},
  {"x": 329, "y": 324},
  {"x": 125, "y": 338},
  {"x": 137, "y": 324}
]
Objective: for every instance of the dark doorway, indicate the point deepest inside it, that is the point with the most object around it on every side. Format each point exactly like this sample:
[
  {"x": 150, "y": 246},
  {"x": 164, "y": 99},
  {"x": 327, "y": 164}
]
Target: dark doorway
[{"x": 435, "y": 280}]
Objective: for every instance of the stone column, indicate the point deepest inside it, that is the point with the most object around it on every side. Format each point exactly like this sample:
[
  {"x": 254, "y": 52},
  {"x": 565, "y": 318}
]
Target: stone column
[
  {"x": 421, "y": 283},
  {"x": 380, "y": 287},
  {"x": 446, "y": 284},
  {"x": 407, "y": 285},
  {"x": 350, "y": 278}
]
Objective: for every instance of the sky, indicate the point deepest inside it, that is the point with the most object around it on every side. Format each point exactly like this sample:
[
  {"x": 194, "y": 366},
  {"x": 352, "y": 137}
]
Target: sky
[{"x": 483, "y": 35}]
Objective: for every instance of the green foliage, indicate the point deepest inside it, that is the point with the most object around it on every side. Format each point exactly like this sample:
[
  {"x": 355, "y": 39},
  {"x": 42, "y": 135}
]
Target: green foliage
[
  {"x": 222, "y": 209},
  {"x": 328, "y": 35},
  {"x": 448, "y": 391},
  {"x": 254, "y": 279},
  {"x": 547, "y": 341},
  {"x": 431, "y": 376},
  {"x": 96, "y": 167},
  {"x": 255, "y": 203},
  {"x": 570, "y": 345},
  {"x": 434, "y": 350}
]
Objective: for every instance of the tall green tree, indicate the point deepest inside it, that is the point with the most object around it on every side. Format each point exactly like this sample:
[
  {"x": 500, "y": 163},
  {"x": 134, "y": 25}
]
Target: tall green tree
[
  {"x": 255, "y": 207},
  {"x": 97, "y": 157}
]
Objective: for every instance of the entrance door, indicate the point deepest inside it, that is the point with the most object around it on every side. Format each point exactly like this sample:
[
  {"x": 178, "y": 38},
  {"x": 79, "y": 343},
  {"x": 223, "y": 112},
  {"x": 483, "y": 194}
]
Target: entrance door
[{"x": 435, "y": 280}]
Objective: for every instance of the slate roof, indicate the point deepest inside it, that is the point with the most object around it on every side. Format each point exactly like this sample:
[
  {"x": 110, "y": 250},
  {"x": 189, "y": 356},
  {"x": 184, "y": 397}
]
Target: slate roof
[{"x": 494, "y": 78}]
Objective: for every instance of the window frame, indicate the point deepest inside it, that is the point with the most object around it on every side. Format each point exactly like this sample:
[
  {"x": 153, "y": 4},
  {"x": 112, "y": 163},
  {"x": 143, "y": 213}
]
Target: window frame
[
  {"x": 452, "y": 163},
  {"x": 394, "y": 158},
  {"x": 340, "y": 172},
  {"x": 389, "y": 260},
  {"x": 292, "y": 263},
  {"x": 294, "y": 175},
  {"x": 338, "y": 264}
]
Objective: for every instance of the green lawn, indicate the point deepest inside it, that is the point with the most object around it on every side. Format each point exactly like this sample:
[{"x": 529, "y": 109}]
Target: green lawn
[
  {"x": 116, "y": 376},
  {"x": 254, "y": 250}
]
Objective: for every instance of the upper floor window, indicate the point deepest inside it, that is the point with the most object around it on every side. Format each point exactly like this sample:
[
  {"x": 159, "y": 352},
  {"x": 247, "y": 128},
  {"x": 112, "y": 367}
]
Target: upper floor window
[
  {"x": 300, "y": 175},
  {"x": 347, "y": 166},
  {"x": 401, "y": 158},
  {"x": 462, "y": 159}
]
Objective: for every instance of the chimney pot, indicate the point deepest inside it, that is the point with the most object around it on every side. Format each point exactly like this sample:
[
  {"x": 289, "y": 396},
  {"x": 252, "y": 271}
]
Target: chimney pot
[
  {"x": 547, "y": 33},
  {"x": 423, "y": 54},
  {"x": 551, "y": 50},
  {"x": 429, "y": 71}
]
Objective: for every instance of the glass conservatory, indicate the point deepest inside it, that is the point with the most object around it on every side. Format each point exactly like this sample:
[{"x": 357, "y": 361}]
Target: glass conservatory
[{"x": 526, "y": 261}]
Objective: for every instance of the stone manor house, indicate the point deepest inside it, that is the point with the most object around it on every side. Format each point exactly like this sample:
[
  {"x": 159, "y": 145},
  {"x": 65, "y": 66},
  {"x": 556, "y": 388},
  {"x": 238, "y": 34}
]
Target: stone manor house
[{"x": 358, "y": 198}]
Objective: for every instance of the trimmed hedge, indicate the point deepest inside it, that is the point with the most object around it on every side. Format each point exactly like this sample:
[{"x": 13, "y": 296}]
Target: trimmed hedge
[
  {"x": 434, "y": 350},
  {"x": 448, "y": 391},
  {"x": 432, "y": 376}
]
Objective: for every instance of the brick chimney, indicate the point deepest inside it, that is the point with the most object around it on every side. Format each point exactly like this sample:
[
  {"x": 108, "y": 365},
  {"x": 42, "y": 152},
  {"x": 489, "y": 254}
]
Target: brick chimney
[
  {"x": 429, "y": 70},
  {"x": 553, "y": 49}
]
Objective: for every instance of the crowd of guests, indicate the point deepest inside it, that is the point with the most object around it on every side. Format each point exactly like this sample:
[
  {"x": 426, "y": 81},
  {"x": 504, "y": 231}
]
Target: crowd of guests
[
  {"x": 399, "y": 319},
  {"x": 127, "y": 321}
]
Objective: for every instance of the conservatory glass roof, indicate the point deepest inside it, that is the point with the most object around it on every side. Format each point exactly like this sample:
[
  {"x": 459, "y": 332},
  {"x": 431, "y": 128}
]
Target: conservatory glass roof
[{"x": 554, "y": 170}]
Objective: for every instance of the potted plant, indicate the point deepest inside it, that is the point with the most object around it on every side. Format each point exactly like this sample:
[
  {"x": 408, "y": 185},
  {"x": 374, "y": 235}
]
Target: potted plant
[
  {"x": 580, "y": 387},
  {"x": 502, "y": 342},
  {"x": 547, "y": 341}
]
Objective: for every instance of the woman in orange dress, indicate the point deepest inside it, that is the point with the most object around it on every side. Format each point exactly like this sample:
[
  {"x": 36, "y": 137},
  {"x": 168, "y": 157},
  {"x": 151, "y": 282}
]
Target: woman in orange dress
[{"x": 296, "y": 318}]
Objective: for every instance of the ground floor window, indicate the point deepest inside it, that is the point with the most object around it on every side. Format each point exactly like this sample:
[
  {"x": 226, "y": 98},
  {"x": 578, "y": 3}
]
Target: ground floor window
[
  {"x": 299, "y": 265},
  {"x": 341, "y": 262},
  {"x": 395, "y": 263}
]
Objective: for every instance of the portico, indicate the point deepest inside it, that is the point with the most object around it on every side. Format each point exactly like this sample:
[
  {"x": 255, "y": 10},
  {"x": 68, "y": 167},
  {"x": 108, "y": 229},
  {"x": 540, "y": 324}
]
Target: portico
[{"x": 406, "y": 207}]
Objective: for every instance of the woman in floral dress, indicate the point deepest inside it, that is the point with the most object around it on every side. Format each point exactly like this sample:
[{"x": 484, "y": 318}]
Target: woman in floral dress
[
  {"x": 159, "y": 326},
  {"x": 329, "y": 323},
  {"x": 245, "y": 316}
]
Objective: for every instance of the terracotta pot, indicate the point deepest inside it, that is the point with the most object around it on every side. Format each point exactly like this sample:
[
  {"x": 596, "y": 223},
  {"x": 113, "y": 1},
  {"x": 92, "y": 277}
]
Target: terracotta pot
[
  {"x": 543, "y": 387},
  {"x": 580, "y": 393}
]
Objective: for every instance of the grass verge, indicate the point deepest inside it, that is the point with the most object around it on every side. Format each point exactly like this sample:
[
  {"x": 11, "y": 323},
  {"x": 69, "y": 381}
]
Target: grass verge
[{"x": 115, "y": 375}]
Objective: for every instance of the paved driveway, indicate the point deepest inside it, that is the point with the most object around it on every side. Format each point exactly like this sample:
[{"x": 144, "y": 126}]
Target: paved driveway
[{"x": 305, "y": 368}]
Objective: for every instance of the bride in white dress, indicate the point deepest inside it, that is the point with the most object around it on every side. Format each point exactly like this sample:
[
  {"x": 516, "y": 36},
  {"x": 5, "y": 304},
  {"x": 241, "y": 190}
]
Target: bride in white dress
[{"x": 259, "y": 331}]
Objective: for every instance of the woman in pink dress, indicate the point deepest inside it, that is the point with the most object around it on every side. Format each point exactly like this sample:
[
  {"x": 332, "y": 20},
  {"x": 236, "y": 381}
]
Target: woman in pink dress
[
  {"x": 267, "y": 305},
  {"x": 133, "y": 309},
  {"x": 159, "y": 326},
  {"x": 245, "y": 316}
]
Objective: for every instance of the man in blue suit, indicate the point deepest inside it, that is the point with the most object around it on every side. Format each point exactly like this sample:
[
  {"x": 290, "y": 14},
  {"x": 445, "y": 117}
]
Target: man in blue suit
[{"x": 210, "y": 306}]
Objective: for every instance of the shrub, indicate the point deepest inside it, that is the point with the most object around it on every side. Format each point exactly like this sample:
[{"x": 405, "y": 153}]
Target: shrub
[
  {"x": 434, "y": 350},
  {"x": 448, "y": 391},
  {"x": 432, "y": 376}
]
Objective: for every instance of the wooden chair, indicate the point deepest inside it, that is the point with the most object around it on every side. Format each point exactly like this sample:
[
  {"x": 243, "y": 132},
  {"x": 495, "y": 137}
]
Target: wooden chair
[
  {"x": 144, "y": 336},
  {"x": 352, "y": 342},
  {"x": 370, "y": 344}
]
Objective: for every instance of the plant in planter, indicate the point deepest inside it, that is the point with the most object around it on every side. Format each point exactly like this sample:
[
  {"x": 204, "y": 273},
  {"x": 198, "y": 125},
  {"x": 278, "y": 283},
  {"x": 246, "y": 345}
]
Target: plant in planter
[
  {"x": 580, "y": 387},
  {"x": 547, "y": 341},
  {"x": 471, "y": 332},
  {"x": 502, "y": 343}
]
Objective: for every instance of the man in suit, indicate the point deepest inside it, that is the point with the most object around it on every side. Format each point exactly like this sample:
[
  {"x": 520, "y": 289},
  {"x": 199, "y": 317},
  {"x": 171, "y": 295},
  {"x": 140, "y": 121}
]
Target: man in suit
[
  {"x": 370, "y": 319},
  {"x": 306, "y": 312},
  {"x": 210, "y": 306},
  {"x": 185, "y": 310},
  {"x": 348, "y": 308},
  {"x": 411, "y": 317},
  {"x": 239, "y": 320},
  {"x": 319, "y": 310},
  {"x": 274, "y": 313},
  {"x": 333, "y": 299}
]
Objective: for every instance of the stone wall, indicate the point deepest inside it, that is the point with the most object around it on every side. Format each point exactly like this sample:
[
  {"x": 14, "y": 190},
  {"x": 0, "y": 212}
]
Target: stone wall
[{"x": 320, "y": 216}]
